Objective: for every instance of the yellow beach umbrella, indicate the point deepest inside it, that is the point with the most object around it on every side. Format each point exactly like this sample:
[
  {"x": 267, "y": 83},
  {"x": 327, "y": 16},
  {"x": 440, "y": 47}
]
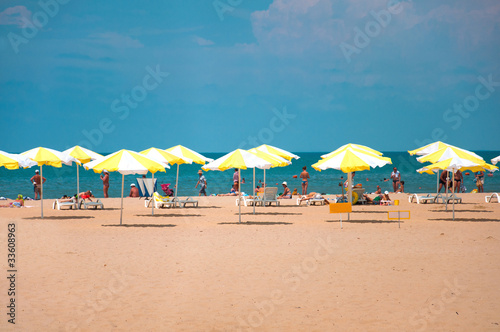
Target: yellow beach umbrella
[
  {"x": 14, "y": 161},
  {"x": 277, "y": 151},
  {"x": 495, "y": 160},
  {"x": 185, "y": 152},
  {"x": 429, "y": 148},
  {"x": 83, "y": 155},
  {"x": 44, "y": 156},
  {"x": 450, "y": 152},
  {"x": 350, "y": 160},
  {"x": 456, "y": 163},
  {"x": 354, "y": 146},
  {"x": 126, "y": 162},
  {"x": 239, "y": 159}
]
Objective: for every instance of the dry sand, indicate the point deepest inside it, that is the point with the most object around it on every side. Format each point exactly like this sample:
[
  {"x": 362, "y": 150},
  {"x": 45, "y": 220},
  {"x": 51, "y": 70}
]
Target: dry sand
[{"x": 287, "y": 268}]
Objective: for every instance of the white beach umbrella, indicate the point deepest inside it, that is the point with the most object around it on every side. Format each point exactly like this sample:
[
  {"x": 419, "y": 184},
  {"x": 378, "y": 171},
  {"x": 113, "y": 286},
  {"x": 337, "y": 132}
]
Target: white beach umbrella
[
  {"x": 495, "y": 160},
  {"x": 15, "y": 161},
  {"x": 126, "y": 162}
]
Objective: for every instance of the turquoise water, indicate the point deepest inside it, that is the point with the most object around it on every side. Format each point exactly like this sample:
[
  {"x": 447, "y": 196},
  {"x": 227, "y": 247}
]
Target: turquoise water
[{"x": 62, "y": 180}]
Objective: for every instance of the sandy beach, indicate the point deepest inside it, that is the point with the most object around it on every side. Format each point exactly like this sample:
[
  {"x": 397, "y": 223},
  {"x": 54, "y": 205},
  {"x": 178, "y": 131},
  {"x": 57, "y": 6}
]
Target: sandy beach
[{"x": 287, "y": 268}]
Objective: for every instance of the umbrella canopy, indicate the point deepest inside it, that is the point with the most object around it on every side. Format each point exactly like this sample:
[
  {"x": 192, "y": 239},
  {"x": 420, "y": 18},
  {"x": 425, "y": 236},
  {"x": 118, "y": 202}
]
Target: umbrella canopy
[
  {"x": 82, "y": 154},
  {"x": 495, "y": 160},
  {"x": 429, "y": 148},
  {"x": 14, "y": 161},
  {"x": 44, "y": 156},
  {"x": 275, "y": 160},
  {"x": 350, "y": 160},
  {"x": 239, "y": 159},
  {"x": 450, "y": 152},
  {"x": 165, "y": 156},
  {"x": 277, "y": 151},
  {"x": 184, "y": 152},
  {"x": 355, "y": 146},
  {"x": 126, "y": 162}
]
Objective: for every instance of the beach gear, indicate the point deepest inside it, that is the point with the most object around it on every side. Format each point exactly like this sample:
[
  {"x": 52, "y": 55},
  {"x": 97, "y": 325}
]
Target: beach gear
[
  {"x": 126, "y": 162},
  {"x": 83, "y": 155},
  {"x": 167, "y": 190},
  {"x": 59, "y": 204},
  {"x": 44, "y": 156},
  {"x": 488, "y": 199}
]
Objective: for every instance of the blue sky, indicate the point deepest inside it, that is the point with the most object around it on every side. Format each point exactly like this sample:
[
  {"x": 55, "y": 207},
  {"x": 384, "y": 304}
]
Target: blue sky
[{"x": 303, "y": 75}]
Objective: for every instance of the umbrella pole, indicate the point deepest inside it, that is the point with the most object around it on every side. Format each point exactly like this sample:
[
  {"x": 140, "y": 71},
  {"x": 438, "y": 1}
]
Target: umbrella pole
[
  {"x": 176, "y": 182},
  {"x": 446, "y": 196},
  {"x": 349, "y": 192},
  {"x": 239, "y": 193},
  {"x": 152, "y": 198},
  {"x": 41, "y": 189},
  {"x": 437, "y": 182},
  {"x": 264, "y": 184},
  {"x": 121, "y": 207},
  {"x": 253, "y": 189},
  {"x": 453, "y": 193},
  {"x": 77, "y": 185}
]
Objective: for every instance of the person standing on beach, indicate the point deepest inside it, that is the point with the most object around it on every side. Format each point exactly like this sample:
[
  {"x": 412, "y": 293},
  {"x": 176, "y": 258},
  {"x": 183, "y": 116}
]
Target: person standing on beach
[
  {"x": 202, "y": 181},
  {"x": 105, "y": 183},
  {"x": 396, "y": 177},
  {"x": 305, "y": 180},
  {"x": 480, "y": 181},
  {"x": 236, "y": 178},
  {"x": 37, "y": 181},
  {"x": 443, "y": 179}
]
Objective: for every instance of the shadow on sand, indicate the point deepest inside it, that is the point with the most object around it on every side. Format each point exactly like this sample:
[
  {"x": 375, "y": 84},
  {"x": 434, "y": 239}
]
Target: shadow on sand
[
  {"x": 366, "y": 221},
  {"x": 266, "y": 223},
  {"x": 269, "y": 213},
  {"x": 171, "y": 215},
  {"x": 141, "y": 225},
  {"x": 467, "y": 219},
  {"x": 59, "y": 217}
]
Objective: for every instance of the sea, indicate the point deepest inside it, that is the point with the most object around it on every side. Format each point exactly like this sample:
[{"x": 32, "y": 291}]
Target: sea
[{"x": 63, "y": 181}]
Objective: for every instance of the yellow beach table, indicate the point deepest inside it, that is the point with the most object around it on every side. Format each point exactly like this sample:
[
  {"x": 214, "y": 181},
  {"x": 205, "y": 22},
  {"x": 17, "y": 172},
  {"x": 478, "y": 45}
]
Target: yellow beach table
[
  {"x": 126, "y": 162},
  {"x": 83, "y": 155},
  {"x": 44, "y": 156},
  {"x": 184, "y": 152},
  {"x": 239, "y": 159},
  {"x": 456, "y": 163},
  {"x": 15, "y": 161},
  {"x": 350, "y": 159}
]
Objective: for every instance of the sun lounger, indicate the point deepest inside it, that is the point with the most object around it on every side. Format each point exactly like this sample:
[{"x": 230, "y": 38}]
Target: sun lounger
[
  {"x": 422, "y": 199},
  {"x": 160, "y": 201},
  {"x": 250, "y": 201},
  {"x": 488, "y": 199},
  {"x": 59, "y": 205},
  {"x": 183, "y": 202},
  {"x": 452, "y": 198},
  {"x": 270, "y": 196},
  {"x": 360, "y": 192},
  {"x": 95, "y": 204}
]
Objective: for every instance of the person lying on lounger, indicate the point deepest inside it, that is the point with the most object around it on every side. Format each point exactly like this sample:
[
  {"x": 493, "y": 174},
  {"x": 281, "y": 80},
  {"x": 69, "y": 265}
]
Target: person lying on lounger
[
  {"x": 378, "y": 198},
  {"x": 315, "y": 196},
  {"x": 233, "y": 191}
]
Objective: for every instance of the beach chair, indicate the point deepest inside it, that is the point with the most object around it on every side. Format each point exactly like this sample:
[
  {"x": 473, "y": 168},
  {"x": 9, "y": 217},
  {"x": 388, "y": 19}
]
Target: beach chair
[
  {"x": 257, "y": 200},
  {"x": 183, "y": 202},
  {"x": 488, "y": 199},
  {"x": 312, "y": 201},
  {"x": 94, "y": 204},
  {"x": 452, "y": 198},
  {"x": 270, "y": 196},
  {"x": 422, "y": 199},
  {"x": 360, "y": 192},
  {"x": 59, "y": 205},
  {"x": 146, "y": 187},
  {"x": 160, "y": 201}
]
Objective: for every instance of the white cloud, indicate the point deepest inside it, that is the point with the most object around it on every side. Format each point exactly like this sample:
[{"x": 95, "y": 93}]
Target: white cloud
[
  {"x": 202, "y": 41},
  {"x": 115, "y": 40},
  {"x": 17, "y": 15}
]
